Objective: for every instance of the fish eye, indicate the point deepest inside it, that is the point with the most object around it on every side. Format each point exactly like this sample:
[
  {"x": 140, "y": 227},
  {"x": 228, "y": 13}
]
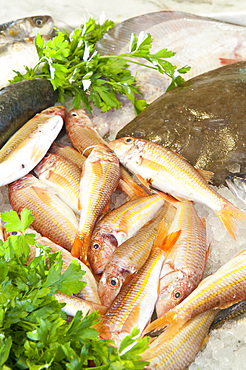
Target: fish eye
[
  {"x": 74, "y": 114},
  {"x": 129, "y": 140},
  {"x": 96, "y": 246},
  {"x": 14, "y": 233},
  {"x": 113, "y": 281},
  {"x": 38, "y": 22},
  {"x": 177, "y": 294}
]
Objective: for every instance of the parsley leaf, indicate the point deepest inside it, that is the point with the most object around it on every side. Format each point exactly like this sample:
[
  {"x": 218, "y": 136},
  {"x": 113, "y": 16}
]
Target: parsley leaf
[{"x": 76, "y": 69}]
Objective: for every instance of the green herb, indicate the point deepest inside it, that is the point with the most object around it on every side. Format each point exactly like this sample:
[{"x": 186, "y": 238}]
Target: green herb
[
  {"x": 34, "y": 332},
  {"x": 76, "y": 69}
]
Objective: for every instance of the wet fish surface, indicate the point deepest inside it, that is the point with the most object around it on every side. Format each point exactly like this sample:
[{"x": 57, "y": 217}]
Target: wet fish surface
[
  {"x": 200, "y": 42},
  {"x": 203, "y": 120},
  {"x": 20, "y": 101}
]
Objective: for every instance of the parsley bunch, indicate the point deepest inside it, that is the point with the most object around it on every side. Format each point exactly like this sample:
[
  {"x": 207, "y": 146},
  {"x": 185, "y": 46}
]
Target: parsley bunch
[
  {"x": 34, "y": 332},
  {"x": 75, "y": 68}
]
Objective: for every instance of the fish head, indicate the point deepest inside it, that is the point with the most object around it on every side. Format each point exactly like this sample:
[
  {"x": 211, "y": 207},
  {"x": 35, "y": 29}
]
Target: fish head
[
  {"x": 104, "y": 153},
  {"x": 126, "y": 147},
  {"x": 174, "y": 288},
  {"x": 78, "y": 117},
  {"x": 46, "y": 165},
  {"x": 56, "y": 110},
  {"x": 42, "y": 24},
  {"x": 100, "y": 250},
  {"x": 237, "y": 184},
  {"x": 110, "y": 284}
]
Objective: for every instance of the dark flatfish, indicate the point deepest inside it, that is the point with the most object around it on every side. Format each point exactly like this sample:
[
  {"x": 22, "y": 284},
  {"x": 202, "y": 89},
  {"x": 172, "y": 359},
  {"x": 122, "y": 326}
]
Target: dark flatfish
[
  {"x": 200, "y": 42},
  {"x": 203, "y": 120},
  {"x": 20, "y": 101}
]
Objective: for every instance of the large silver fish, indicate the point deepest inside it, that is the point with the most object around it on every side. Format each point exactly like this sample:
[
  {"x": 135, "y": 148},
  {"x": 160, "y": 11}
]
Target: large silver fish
[{"x": 200, "y": 42}]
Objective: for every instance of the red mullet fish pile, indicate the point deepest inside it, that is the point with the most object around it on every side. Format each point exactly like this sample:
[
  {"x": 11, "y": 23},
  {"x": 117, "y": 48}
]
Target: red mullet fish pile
[{"x": 145, "y": 255}]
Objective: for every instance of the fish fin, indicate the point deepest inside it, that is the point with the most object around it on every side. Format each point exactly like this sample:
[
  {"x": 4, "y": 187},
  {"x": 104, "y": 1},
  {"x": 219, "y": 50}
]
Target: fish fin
[
  {"x": 167, "y": 323},
  {"x": 132, "y": 189},
  {"x": 97, "y": 168},
  {"x": 226, "y": 61},
  {"x": 228, "y": 214},
  {"x": 42, "y": 194},
  {"x": 207, "y": 253},
  {"x": 80, "y": 248},
  {"x": 164, "y": 241},
  {"x": 145, "y": 183},
  {"x": 203, "y": 219},
  {"x": 79, "y": 205},
  {"x": 105, "y": 211},
  {"x": 208, "y": 175},
  {"x": 167, "y": 197}
]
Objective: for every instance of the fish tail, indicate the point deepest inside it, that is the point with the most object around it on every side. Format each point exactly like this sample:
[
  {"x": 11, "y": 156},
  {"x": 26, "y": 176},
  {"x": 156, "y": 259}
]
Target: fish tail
[{"x": 228, "y": 214}]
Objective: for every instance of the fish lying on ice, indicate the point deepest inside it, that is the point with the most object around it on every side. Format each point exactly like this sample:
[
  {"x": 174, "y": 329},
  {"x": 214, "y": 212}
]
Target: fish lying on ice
[
  {"x": 169, "y": 172},
  {"x": 202, "y": 43},
  {"x": 237, "y": 184},
  {"x": 30, "y": 143},
  {"x": 21, "y": 101},
  {"x": 203, "y": 120},
  {"x": 25, "y": 27}
]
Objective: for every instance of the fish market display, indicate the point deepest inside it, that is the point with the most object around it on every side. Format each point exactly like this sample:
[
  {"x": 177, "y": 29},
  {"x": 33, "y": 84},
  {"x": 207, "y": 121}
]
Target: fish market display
[
  {"x": 53, "y": 218},
  {"x": 137, "y": 267},
  {"x": 29, "y": 144},
  {"x": 203, "y": 120},
  {"x": 20, "y": 102},
  {"x": 118, "y": 225},
  {"x": 25, "y": 27},
  {"x": 171, "y": 173},
  {"x": 99, "y": 179},
  {"x": 237, "y": 184},
  {"x": 62, "y": 176},
  {"x": 184, "y": 266},
  {"x": 200, "y": 42}
]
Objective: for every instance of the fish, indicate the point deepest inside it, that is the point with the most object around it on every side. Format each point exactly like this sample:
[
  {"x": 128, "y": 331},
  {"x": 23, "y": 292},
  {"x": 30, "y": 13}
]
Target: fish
[
  {"x": 82, "y": 132},
  {"x": 30, "y": 143},
  {"x": 26, "y": 27},
  {"x": 130, "y": 256},
  {"x": 20, "y": 102},
  {"x": 181, "y": 350},
  {"x": 99, "y": 179},
  {"x": 202, "y": 120},
  {"x": 52, "y": 217},
  {"x": 75, "y": 304},
  {"x": 135, "y": 303},
  {"x": 202, "y": 43},
  {"x": 184, "y": 266},
  {"x": 68, "y": 153},
  {"x": 118, "y": 225},
  {"x": 84, "y": 137},
  {"x": 62, "y": 176},
  {"x": 171, "y": 173},
  {"x": 222, "y": 289},
  {"x": 237, "y": 184}
]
